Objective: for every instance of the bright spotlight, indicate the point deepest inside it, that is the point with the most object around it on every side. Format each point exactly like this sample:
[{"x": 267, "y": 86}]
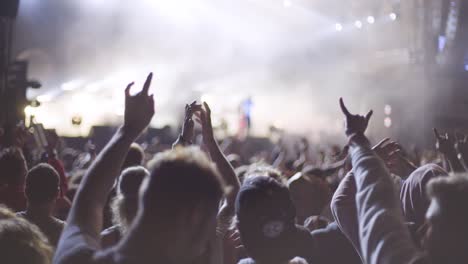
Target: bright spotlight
[
  {"x": 287, "y": 3},
  {"x": 370, "y": 19},
  {"x": 358, "y": 24},
  {"x": 392, "y": 16},
  {"x": 71, "y": 85},
  {"x": 387, "y": 122},
  {"x": 338, "y": 27}
]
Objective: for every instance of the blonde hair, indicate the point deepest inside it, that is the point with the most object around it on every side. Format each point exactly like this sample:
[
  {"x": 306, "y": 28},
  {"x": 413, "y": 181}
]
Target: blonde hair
[
  {"x": 23, "y": 242},
  {"x": 6, "y": 213}
]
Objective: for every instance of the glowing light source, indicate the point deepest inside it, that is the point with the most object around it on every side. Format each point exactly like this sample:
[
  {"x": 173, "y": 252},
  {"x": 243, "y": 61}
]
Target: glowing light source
[
  {"x": 388, "y": 109},
  {"x": 370, "y": 19},
  {"x": 387, "y": 122},
  {"x": 287, "y": 3},
  {"x": 71, "y": 85},
  {"x": 44, "y": 98},
  {"x": 338, "y": 27},
  {"x": 358, "y": 24},
  {"x": 392, "y": 16}
]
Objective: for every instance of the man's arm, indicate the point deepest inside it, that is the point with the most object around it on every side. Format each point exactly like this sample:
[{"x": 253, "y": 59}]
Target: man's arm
[
  {"x": 344, "y": 211},
  {"x": 383, "y": 235},
  {"x": 230, "y": 179},
  {"x": 86, "y": 214}
]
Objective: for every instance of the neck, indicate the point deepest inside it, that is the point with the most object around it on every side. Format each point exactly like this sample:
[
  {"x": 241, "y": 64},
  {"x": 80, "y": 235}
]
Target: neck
[
  {"x": 148, "y": 248},
  {"x": 40, "y": 210}
]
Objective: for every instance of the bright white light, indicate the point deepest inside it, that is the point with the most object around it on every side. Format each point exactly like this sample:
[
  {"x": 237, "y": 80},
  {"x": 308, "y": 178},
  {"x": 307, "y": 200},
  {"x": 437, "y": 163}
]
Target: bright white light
[
  {"x": 387, "y": 122},
  {"x": 466, "y": 67},
  {"x": 28, "y": 111},
  {"x": 71, "y": 85},
  {"x": 338, "y": 27},
  {"x": 393, "y": 16},
  {"x": 388, "y": 109},
  {"x": 44, "y": 98},
  {"x": 287, "y": 3},
  {"x": 370, "y": 19},
  {"x": 358, "y": 24}
]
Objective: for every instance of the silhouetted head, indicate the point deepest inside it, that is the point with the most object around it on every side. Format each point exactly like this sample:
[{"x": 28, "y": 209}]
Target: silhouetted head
[
  {"x": 13, "y": 167},
  {"x": 447, "y": 217},
  {"x": 42, "y": 184},
  {"x": 179, "y": 202}
]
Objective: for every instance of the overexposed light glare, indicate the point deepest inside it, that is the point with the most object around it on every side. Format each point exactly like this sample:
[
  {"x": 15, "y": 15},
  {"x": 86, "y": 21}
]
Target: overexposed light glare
[
  {"x": 71, "y": 85},
  {"x": 387, "y": 122},
  {"x": 287, "y": 3},
  {"x": 28, "y": 111},
  {"x": 338, "y": 27},
  {"x": 44, "y": 98},
  {"x": 388, "y": 110},
  {"x": 370, "y": 19},
  {"x": 358, "y": 24},
  {"x": 392, "y": 16}
]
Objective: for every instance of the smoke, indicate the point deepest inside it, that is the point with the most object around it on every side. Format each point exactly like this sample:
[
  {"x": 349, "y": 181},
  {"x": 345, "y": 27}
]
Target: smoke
[{"x": 287, "y": 57}]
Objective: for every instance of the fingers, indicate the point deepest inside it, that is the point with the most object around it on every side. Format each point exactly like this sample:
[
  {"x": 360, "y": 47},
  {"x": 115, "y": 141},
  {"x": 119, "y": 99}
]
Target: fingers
[
  {"x": 381, "y": 143},
  {"x": 127, "y": 90},
  {"x": 147, "y": 84},
  {"x": 343, "y": 108},
  {"x": 369, "y": 114},
  {"x": 207, "y": 109}
]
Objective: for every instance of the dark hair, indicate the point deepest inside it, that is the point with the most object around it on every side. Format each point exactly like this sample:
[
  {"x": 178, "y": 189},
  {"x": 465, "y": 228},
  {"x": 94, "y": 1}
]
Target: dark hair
[
  {"x": 181, "y": 178},
  {"x": 42, "y": 184},
  {"x": 13, "y": 166},
  {"x": 135, "y": 156}
]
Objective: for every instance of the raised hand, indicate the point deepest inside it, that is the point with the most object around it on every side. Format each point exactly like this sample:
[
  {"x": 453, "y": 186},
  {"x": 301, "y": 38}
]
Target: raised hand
[
  {"x": 444, "y": 143},
  {"x": 354, "y": 124},
  {"x": 386, "y": 150},
  {"x": 205, "y": 121},
  {"x": 186, "y": 137},
  {"x": 139, "y": 109},
  {"x": 461, "y": 146}
]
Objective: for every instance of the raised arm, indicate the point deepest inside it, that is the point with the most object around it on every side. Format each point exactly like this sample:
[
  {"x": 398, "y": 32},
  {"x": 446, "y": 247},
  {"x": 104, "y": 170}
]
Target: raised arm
[
  {"x": 446, "y": 145},
  {"x": 186, "y": 136},
  {"x": 344, "y": 211},
  {"x": 227, "y": 172},
  {"x": 383, "y": 235},
  {"x": 87, "y": 209}
]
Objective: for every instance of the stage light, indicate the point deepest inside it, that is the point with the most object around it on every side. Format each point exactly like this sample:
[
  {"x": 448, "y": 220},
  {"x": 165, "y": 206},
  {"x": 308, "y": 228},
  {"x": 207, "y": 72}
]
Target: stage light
[
  {"x": 370, "y": 19},
  {"x": 358, "y": 24},
  {"x": 71, "y": 85},
  {"x": 338, "y": 27},
  {"x": 387, "y": 122},
  {"x": 392, "y": 16},
  {"x": 388, "y": 109},
  {"x": 466, "y": 67},
  {"x": 287, "y": 3},
  {"x": 44, "y": 98}
]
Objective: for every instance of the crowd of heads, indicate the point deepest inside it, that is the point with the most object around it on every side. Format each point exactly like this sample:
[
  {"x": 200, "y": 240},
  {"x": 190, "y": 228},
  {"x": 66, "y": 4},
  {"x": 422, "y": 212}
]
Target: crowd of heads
[{"x": 202, "y": 203}]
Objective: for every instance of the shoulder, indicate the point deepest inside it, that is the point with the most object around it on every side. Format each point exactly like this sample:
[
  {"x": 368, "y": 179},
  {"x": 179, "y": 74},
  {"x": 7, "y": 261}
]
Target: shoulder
[{"x": 75, "y": 246}]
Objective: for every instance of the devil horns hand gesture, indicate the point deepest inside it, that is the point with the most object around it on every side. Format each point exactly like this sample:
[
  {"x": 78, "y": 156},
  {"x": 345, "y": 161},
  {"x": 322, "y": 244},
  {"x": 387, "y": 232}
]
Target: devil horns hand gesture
[
  {"x": 139, "y": 109},
  {"x": 354, "y": 124}
]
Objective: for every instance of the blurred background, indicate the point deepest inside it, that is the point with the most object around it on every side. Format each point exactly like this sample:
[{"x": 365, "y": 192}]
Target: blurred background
[{"x": 280, "y": 64}]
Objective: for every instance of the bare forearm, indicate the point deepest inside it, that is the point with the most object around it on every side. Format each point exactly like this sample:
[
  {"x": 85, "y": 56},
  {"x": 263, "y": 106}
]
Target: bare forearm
[
  {"x": 226, "y": 170},
  {"x": 92, "y": 195}
]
